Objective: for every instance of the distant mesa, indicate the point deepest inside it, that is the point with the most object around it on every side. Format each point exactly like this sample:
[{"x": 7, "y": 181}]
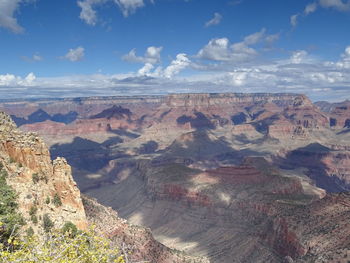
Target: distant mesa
[
  {"x": 116, "y": 112},
  {"x": 41, "y": 116}
]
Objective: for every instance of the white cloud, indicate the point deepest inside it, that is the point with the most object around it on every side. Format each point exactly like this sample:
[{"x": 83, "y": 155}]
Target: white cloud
[
  {"x": 217, "y": 49},
  {"x": 180, "y": 63},
  {"x": 129, "y": 6},
  {"x": 8, "y": 9},
  {"x": 335, "y": 4},
  {"x": 339, "y": 5},
  {"x": 220, "y": 49},
  {"x": 310, "y": 8},
  {"x": 298, "y": 57},
  {"x": 75, "y": 54},
  {"x": 254, "y": 38},
  {"x": 294, "y": 20},
  {"x": 270, "y": 39},
  {"x": 34, "y": 58},
  {"x": 89, "y": 15},
  {"x": 12, "y": 80},
  {"x": 214, "y": 21},
  {"x": 344, "y": 63},
  {"x": 145, "y": 70},
  {"x": 152, "y": 55},
  {"x": 30, "y": 78},
  {"x": 8, "y": 79},
  {"x": 37, "y": 57}
]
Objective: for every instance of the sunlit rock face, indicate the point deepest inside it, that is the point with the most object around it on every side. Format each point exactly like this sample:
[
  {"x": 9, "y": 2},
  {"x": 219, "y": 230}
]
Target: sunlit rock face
[
  {"x": 37, "y": 180},
  {"x": 233, "y": 177}
]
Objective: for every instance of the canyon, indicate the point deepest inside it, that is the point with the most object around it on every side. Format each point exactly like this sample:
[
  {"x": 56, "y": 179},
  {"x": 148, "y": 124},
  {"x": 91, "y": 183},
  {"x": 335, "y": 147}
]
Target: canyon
[
  {"x": 45, "y": 188},
  {"x": 230, "y": 177}
]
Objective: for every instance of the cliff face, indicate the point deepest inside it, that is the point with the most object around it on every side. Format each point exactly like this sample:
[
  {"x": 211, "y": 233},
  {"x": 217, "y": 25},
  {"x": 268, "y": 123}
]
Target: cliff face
[
  {"x": 41, "y": 184},
  {"x": 281, "y": 116},
  {"x": 339, "y": 113}
]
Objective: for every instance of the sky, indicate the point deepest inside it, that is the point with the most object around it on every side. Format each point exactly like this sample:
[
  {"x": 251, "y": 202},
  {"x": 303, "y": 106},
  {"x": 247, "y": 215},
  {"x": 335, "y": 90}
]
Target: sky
[{"x": 76, "y": 48}]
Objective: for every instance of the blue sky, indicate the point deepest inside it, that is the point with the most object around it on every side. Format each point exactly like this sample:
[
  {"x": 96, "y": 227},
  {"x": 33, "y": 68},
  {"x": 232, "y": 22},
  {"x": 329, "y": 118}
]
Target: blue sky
[{"x": 125, "y": 47}]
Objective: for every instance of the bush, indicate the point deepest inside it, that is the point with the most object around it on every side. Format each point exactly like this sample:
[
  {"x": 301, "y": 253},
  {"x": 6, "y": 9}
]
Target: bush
[
  {"x": 47, "y": 223},
  {"x": 10, "y": 220},
  {"x": 70, "y": 229},
  {"x": 47, "y": 200},
  {"x": 62, "y": 248},
  {"x": 35, "y": 178},
  {"x": 57, "y": 200}
]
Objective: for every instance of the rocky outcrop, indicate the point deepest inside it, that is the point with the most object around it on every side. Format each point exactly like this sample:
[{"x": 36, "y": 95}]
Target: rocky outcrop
[
  {"x": 43, "y": 186},
  {"x": 339, "y": 113}
]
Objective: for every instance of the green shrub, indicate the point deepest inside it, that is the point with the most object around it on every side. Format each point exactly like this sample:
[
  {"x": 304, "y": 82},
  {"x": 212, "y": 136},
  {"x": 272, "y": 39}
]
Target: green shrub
[
  {"x": 47, "y": 223},
  {"x": 70, "y": 229},
  {"x": 10, "y": 220},
  {"x": 47, "y": 200},
  {"x": 57, "y": 200}
]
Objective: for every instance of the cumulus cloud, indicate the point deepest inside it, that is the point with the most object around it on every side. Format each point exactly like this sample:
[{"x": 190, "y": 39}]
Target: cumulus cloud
[
  {"x": 146, "y": 69},
  {"x": 220, "y": 49},
  {"x": 12, "y": 80},
  {"x": 75, "y": 55},
  {"x": 151, "y": 56},
  {"x": 214, "y": 21},
  {"x": 8, "y": 9},
  {"x": 180, "y": 63}
]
